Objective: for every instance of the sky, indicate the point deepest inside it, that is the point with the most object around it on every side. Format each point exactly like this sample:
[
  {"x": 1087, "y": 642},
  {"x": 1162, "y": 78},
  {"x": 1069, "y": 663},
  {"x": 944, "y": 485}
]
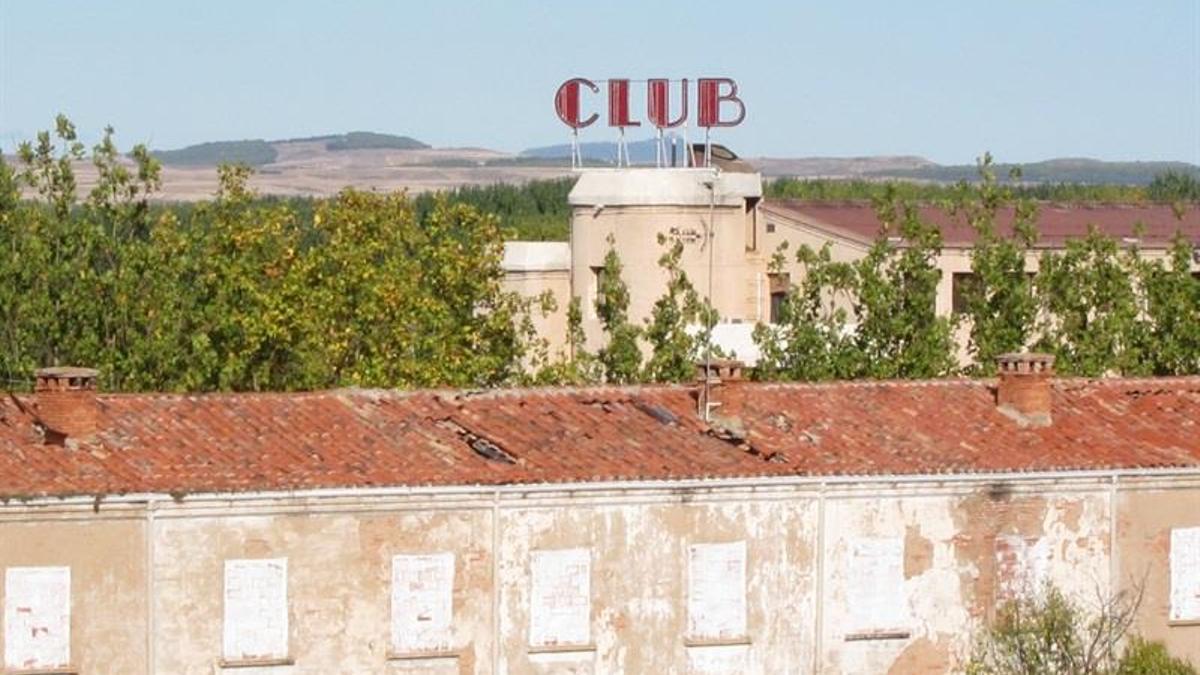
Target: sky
[{"x": 1024, "y": 79}]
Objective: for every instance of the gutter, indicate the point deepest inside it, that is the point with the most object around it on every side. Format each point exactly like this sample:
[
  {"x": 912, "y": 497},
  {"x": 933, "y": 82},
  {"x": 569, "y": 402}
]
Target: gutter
[{"x": 483, "y": 490}]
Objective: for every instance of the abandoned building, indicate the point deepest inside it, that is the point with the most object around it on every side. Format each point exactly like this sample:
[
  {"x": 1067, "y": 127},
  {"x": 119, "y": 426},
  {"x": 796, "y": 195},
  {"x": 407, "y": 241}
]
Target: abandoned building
[
  {"x": 803, "y": 528},
  {"x": 636, "y": 206}
]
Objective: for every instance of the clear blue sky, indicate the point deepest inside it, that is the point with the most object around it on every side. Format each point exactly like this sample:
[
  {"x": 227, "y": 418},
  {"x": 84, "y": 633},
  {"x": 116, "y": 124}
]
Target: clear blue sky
[{"x": 1026, "y": 80}]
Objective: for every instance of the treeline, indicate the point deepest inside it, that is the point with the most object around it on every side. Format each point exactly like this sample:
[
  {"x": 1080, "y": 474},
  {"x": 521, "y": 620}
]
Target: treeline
[
  {"x": 1168, "y": 187},
  {"x": 240, "y": 293},
  {"x": 366, "y": 289},
  {"x": 1099, "y": 306}
]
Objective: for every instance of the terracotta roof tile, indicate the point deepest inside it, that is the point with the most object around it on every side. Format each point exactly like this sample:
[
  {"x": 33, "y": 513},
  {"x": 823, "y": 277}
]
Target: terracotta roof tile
[{"x": 359, "y": 438}]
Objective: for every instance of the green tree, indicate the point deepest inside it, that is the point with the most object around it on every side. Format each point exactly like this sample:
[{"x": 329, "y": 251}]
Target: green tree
[
  {"x": 1171, "y": 296},
  {"x": 1091, "y": 318},
  {"x": 675, "y": 349},
  {"x": 812, "y": 339},
  {"x": 898, "y": 331},
  {"x": 1000, "y": 304},
  {"x": 1047, "y": 632},
  {"x": 1174, "y": 186},
  {"x": 620, "y": 357}
]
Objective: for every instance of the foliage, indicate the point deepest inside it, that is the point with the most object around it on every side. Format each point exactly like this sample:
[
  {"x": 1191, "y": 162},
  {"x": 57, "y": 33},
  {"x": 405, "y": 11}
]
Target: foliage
[
  {"x": 1047, "y": 632},
  {"x": 1142, "y": 657},
  {"x": 1175, "y": 186},
  {"x": 620, "y": 357},
  {"x": 1000, "y": 304},
  {"x": 239, "y": 293},
  {"x": 813, "y": 339},
  {"x": 675, "y": 350},
  {"x": 875, "y": 317},
  {"x": 577, "y": 366},
  {"x": 1171, "y": 307},
  {"x": 1091, "y": 320},
  {"x": 931, "y": 192},
  {"x": 535, "y": 211},
  {"x": 1070, "y": 171},
  {"x": 255, "y": 152}
]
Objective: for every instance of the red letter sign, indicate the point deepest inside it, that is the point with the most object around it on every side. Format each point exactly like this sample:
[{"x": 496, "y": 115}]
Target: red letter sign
[
  {"x": 618, "y": 104},
  {"x": 710, "y": 102},
  {"x": 658, "y": 103},
  {"x": 566, "y": 102}
]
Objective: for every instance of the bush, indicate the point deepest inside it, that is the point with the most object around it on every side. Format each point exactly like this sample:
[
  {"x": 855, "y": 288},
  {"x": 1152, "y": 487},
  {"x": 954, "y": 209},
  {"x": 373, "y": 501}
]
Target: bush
[{"x": 1151, "y": 658}]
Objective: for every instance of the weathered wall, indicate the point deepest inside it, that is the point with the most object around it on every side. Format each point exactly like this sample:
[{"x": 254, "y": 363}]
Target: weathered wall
[
  {"x": 800, "y": 569},
  {"x": 1144, "y": 523},
  {"x": 108, "y": 579}
]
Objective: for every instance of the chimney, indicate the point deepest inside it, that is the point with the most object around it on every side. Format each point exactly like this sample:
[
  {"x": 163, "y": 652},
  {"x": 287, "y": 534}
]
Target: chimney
[
  {"x": 712, "y": 377},
  {"x": 66, "y": 402},
  {"x": 1023, "y": 392}
]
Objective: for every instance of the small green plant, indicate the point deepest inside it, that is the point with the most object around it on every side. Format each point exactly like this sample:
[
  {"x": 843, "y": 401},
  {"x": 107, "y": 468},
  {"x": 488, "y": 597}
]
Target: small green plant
[{"x": 1050, "y": 633}]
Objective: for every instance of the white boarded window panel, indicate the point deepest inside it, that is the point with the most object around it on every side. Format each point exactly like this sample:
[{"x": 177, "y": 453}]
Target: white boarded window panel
[
  {"x": 1022, "y": 566},
  {"x": 875, "y": 584},
  {"x": 37, "y": 618},
  {"x": 560, "y": 611},
  {"x": 717, "y": 590},
  {"x": 1185, "y": 574},
  {"x": 256, "y": 613},
  {"x": 422, "y": 602}
]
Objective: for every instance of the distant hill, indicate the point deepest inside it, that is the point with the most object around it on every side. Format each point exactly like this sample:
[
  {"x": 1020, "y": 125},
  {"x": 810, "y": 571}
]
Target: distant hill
[
  {"x": 604, "y": 152},
  {"x": 1066, "y": 170},
  {"x": 367, "y": 140},
  {"x": 258, "y": 152},
  {"x": 255, "y": 152}
]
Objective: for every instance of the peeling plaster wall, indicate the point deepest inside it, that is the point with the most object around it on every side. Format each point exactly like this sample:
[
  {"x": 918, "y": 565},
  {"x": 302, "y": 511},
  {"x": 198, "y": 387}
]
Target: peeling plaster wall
[
  {"x": 1144, "y": 523},
  {"x": 339, "y": 553}
]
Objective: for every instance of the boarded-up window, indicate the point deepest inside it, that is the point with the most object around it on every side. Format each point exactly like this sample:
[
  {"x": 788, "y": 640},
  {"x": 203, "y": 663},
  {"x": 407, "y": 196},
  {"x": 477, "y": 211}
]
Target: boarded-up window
[
  {"x": 560, "y": 611},
  {"x": 422, "y": 602},
  {"x": 37, "y": 618},
  {"x": 1022, "y": 566},
  {"x": 717, "y": 591},
  {"x": 875, "y": 585},
  {"x": 1185, "y": 574},
  {"x": 256, "y": 612}
]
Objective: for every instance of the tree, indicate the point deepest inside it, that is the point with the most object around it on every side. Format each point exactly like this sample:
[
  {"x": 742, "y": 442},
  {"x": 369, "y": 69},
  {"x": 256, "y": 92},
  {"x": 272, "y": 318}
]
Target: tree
[
  {"x": 812, "y": 339},
  {"x": 898, "y": 331},
  {"x": 577, "y": 366},
  {"x": 1174, "y": 186},
  {"x": 1091, "y": 320},
  {"x": 1171, "y": 305},
  {"x": 875, "y": 317},
  {"x": 1000, "y": 303},
  {"x": 675, "y": 349},
  {"x": 620, "y": 357},
  {"x": 1047, "y": 632}
]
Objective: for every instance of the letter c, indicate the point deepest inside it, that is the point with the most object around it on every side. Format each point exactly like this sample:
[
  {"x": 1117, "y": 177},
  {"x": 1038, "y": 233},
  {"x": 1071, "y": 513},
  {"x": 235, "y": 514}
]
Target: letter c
[{"x": 566, "y": 102}]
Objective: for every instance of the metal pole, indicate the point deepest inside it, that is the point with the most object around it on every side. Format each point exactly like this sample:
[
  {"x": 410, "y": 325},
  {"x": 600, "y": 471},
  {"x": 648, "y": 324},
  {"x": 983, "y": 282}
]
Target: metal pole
[{"x": 708, "y": 327}]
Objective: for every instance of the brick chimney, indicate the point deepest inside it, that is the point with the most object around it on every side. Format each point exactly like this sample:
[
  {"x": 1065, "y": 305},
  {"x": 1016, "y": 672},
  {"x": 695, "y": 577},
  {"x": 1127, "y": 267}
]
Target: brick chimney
[
  {"x": 1023, "y": 392},
  {"x": 66, "y": 402}
]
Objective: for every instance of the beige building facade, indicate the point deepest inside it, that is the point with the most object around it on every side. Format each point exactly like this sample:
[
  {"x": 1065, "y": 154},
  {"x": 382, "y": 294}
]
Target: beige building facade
[
  {"x": 825, "y": 576},
  {"x": 838, "y": 528}
]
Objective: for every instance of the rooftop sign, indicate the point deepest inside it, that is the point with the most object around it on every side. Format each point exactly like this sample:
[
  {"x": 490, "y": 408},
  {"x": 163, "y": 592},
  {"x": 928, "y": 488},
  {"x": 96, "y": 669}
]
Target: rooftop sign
[{"x": 711, "y": 93}]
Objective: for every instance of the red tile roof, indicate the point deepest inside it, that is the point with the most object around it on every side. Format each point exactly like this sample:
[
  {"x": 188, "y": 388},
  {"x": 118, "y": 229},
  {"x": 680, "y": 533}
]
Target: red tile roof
[
  {"x": 357, "y": 438},
  {"x": 1056, "y": 223}
]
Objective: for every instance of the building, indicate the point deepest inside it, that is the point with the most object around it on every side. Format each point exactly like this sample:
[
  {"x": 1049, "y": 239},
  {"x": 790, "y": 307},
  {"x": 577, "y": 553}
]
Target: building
[
  {"x": 637, "y": 206},
  {"x": 807, "y": 528}
]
